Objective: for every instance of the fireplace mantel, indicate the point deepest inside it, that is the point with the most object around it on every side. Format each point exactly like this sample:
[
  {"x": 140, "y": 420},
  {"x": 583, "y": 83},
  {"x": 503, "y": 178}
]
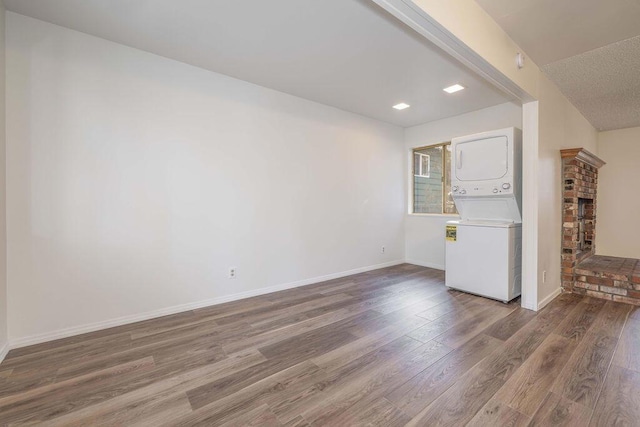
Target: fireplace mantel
[{"x": 582, "y": 155}]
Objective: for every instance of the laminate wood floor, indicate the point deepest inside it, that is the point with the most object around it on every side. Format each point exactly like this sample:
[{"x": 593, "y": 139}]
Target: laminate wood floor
[{"x": 388, "y": 347}]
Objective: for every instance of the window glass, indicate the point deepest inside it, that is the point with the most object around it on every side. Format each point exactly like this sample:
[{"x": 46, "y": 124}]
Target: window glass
[
  {"x": 431, "y": 181},
  {"x": 421, "y": 164}
]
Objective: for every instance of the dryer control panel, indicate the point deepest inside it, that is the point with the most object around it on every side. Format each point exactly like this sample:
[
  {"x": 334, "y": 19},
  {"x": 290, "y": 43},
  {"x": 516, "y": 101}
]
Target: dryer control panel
[{"x": 480, "y": 189}]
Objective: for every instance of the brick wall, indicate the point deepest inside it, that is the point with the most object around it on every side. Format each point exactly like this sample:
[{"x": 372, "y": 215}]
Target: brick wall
[
  {"x": 580, "y": 185},
  {"x": 580, "y": 180}
]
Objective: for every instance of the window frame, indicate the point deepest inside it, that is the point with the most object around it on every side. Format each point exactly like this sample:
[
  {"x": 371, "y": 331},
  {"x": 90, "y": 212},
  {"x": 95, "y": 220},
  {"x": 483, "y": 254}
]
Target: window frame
[
  {"x": 422, "y": 156},
  {"x": 445, "y": 172}
]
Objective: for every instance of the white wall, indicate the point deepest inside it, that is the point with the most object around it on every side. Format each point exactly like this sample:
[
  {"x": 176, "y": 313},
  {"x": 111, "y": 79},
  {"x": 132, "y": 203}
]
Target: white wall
[
  {"x": 561, "y": 126},
  {"x": 617, "y": 229},
  {"x": 3, "y": 235},
  {"x": 424, "y": 234},
  {"x": 135, "y": 182}
]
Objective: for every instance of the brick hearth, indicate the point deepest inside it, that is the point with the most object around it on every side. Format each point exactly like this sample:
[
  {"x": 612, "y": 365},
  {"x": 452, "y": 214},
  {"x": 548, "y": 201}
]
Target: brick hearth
[{"x": 611, "y": 278}]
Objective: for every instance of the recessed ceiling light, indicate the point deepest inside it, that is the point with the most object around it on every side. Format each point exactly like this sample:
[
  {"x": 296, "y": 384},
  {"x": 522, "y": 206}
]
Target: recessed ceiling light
[
  {"x": 451, "y": 89},
  {"x": 401, "y": 106}
]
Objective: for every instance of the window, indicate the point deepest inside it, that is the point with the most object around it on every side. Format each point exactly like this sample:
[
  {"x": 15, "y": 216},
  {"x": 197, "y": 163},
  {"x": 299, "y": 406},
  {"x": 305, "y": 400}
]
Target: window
[
  {"x": 431, "y": 181},
  {"x": 421, "y": 164}
]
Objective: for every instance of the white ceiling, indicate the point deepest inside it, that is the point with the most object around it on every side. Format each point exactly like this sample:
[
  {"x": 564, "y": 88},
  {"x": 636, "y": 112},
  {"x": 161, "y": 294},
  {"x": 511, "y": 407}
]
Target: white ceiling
[
  {"x": 550, "y": 30},
  {"x": 345, "y": 53},
  {"x": 589, "y": 48}
]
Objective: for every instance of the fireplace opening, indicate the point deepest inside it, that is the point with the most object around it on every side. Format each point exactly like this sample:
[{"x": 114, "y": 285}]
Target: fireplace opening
[{"x": 585, "y": 224}]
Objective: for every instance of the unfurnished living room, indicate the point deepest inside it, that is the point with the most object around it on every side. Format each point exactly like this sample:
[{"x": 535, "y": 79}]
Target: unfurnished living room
[{"x": 319, "y": 213}]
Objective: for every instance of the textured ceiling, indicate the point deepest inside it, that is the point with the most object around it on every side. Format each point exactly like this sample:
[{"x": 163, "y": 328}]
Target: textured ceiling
[
  {"x": 604, "y": 84},
  {"x": 349, "y": 54},
  {"x": 589, "y": 48}
]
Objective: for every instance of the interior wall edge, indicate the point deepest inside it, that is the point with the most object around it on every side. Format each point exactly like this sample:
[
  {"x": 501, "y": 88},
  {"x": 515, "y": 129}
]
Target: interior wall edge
[
  {"x": 530, "y": 205},
  {"x": 546, "y": 300},
  {"x": 97, "y": 326},
  {"x": 4, "y": 350},
  {"x": 4, "y": 311}
]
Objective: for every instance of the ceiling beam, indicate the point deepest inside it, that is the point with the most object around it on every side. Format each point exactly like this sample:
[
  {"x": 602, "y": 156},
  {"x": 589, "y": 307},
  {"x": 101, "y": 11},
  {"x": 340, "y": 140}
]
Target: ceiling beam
[{"x": 417, "y": 19}]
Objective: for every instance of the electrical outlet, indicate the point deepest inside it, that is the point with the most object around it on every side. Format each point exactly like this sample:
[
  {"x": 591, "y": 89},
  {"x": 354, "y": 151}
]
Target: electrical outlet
[
  {"x": 382, "y": 250},
  {"x": 232, "y": 273},
  {"x": 544, "y": 276}
]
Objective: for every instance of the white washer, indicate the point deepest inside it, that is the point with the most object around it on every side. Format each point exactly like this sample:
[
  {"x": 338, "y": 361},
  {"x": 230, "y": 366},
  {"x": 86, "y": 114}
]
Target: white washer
[{"x": 483, "y": 258}]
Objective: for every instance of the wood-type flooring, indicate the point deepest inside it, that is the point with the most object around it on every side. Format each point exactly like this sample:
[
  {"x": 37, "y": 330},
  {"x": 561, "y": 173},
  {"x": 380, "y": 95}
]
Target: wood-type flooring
[{"x": 389, "y": 347}]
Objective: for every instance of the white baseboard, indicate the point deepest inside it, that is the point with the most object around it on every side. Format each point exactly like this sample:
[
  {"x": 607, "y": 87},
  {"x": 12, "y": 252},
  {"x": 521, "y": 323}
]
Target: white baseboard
[
  {"x": 92, "y": 327},
  {"x": 549, "y": 298},
  {"x": 3, "y": 351},
  {"x": 425, "y": 264}
]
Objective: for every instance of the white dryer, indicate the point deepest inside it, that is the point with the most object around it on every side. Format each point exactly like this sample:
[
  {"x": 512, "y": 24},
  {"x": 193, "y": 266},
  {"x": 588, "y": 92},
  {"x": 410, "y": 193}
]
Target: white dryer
[{"x": 486, "y": 175}]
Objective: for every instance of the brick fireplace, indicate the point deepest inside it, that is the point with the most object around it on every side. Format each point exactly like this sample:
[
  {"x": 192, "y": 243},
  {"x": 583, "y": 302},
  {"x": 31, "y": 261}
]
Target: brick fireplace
[
  {"x": 580, "y": 185},
  {"x": 583, "y": 272}
]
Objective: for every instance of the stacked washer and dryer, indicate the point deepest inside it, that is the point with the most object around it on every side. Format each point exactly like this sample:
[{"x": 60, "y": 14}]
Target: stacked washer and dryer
[{"x": 484, "y": 248}]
